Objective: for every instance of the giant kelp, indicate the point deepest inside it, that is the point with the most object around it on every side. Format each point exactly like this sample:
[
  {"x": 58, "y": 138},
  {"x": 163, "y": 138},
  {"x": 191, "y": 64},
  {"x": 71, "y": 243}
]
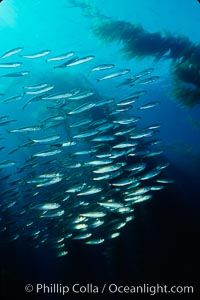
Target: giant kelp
[{"x": 136, "y": 42}]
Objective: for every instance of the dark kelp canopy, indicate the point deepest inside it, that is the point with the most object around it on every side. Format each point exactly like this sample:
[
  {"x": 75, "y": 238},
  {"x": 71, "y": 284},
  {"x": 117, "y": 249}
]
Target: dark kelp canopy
[{"x": 135, "y": 41}]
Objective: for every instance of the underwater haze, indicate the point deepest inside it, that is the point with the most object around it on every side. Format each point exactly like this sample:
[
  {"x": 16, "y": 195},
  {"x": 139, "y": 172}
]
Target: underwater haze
[{"x": 99, "y": 145}]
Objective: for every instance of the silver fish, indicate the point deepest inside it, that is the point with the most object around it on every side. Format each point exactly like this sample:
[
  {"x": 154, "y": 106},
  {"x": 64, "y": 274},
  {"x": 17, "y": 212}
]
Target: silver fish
[
  {"x": 95, "y": 242},
  {"x": 114, "y": 75},
  {"x": 11, "y": 52},
  {"x": 162, "y": 166},
  {"x": 37, "y": 86},
  {"x": 108, "y": 176},
  {"x": 105, "y": 127},
  {"x": 7, "y": 163},
  {"x": 15, "y": 98},
  {"x": 80, "y": 123},
  {"x": 26, "y": 129},
  {"x": 111, "y": 205},
  {"x": 37, "y": 55},
  {"x": 58, "y": 96},
  {"x": 157, "y": 187},
  {"x": 62, "y": 253},
  {"x": 98, "y": 162},
  {"x": 127, "y": 121},
  {"x": 46, "y": 140},
  {"x": 96, "y": 214},
  {"x": 81, "y": 95},
  {"x": 143, "y": 198},
  {"x": 90, "y": 191},
  {"x": 114, "y": 235},
  {"x": 65, "y": 64},
  {"x": 141, "y": 134},
  {"x": 136, "y": 167},
  {"x": 139, "y": 191},
  {"x": 125, "y": 145},
  {"x": 49, "y": 182},
  {"x": 86, "y": 134},
  {"x": 77, "y": 188},
  {"x": 68, "y": 144},
  {"x": 150, "y": 175},
  {"x": 127, "y": 101},
  {"x": 111, "y": 168},
  {"x": 102, "y": 67},
  {"x": 82, "y": 236},
  {"x": 165, "y": 180},
  {"x": 103, "y": 138},
  {"x": 106, "y": 101},
  {"x": 154, "y": 153},
  {"x": 46, "y": 214},
  {"x": 146, "y": 81},
  {"x": 11, "y": 65},
  {"x": 17, "y": 74},
  {"x": 84, "y": 152},
  {"x": 61, "y": 57},
  {"x": 47, "y": 153},
  {"x": 47, "y": 206},
  {"x": 140, "y": 75},
  {"x": 36, "y": 92},
  {"x": 123, "y": 132},
  {"x": 149, "y": 105},
  {"x": 124, "y": 182},
  {"x": 47, "y": 176},
  {"x": 81, "y": 108},
  {"x": 79, "y": 61}
]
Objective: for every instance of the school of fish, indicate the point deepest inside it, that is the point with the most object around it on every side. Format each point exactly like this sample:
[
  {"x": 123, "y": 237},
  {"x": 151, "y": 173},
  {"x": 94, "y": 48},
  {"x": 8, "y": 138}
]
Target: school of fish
[{"x": 78, "y": 173}]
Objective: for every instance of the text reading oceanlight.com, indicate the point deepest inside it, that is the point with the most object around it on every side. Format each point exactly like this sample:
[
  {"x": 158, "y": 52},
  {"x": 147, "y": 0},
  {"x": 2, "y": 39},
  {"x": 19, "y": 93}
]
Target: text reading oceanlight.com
[{"x": 57, "y": 288}]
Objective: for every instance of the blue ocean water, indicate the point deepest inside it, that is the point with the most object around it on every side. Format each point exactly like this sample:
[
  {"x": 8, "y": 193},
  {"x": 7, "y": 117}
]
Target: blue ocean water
[{"x": 160, "y": 244}]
